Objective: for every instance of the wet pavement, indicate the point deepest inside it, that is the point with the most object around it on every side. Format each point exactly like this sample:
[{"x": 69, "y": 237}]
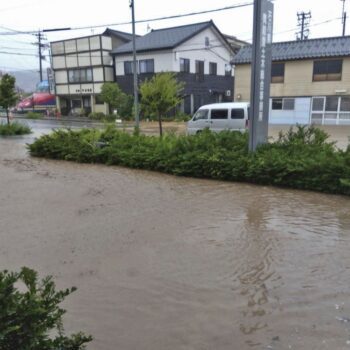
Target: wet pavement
[{"x": 162, "y": 262}]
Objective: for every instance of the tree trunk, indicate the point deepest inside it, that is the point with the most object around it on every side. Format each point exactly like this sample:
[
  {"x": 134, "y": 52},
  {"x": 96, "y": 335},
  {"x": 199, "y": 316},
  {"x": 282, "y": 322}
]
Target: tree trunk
[
  {"x": 160, "y": 125},
  {"x": 7, "y": 116}
]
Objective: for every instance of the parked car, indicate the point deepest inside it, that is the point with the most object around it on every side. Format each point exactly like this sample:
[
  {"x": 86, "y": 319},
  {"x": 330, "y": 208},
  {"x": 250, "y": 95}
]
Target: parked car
[{"x": 220, "y": 116}]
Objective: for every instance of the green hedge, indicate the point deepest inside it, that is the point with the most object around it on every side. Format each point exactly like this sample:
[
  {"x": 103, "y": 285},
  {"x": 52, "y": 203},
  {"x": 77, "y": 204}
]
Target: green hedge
[
  {"x": 14, "y": 128},
  {"x": 301, "y": 158}
]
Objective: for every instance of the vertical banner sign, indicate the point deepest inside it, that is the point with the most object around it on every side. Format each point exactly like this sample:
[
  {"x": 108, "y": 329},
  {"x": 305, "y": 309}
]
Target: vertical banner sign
[
  {"x": 51, "y": 79},
  {"x": 261, "y": 73}
]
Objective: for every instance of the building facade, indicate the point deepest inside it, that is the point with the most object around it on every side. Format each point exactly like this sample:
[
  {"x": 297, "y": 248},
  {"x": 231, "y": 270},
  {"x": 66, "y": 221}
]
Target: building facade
[
  {"x": 199, "y": 54},
  {"x": 81, "y": 66},
  {"x": 310, "y": 81}
]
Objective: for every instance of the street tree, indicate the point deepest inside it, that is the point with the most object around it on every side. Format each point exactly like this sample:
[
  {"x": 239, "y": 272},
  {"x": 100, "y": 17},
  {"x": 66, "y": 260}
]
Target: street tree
[
  {"x": 30, "y": 318},
  {"x": 8, "y": 94},
  {"x": 160, "y": 94},
  {"x": 112, "y": 94}
]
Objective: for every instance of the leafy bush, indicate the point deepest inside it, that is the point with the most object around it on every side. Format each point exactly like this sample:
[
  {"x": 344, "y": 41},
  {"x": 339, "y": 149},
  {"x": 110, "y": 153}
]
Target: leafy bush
[
  {"x": 34, "y": 115},
  {"x": 14, "y": 128},
  {"x": 30, "y": 318},
  {"x": 99, "y": 116},
  {"x": 301, "y": 158}
]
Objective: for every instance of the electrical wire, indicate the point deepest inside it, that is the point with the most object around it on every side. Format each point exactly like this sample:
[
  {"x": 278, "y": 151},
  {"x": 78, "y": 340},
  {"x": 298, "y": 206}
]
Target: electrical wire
[{"x": 156, "y": 19}]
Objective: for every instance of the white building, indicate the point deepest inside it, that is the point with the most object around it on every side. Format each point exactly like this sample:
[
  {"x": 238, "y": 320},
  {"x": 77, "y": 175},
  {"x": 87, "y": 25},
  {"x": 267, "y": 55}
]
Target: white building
[
  {"x": 81, "y": 66},
  {"x": 199, "y": 53}
]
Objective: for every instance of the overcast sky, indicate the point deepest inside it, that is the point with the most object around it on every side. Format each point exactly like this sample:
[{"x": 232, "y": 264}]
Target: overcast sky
[{"x": 28, "y": 15}]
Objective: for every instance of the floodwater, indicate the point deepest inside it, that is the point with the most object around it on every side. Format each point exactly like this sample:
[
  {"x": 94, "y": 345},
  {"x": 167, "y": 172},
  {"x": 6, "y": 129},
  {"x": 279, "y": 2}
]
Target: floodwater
[{"x": 162, "y": 262}]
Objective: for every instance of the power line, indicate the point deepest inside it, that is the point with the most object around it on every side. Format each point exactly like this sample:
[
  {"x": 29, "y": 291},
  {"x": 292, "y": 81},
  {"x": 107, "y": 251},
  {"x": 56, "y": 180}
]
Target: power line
[{"x": 16, "y": 32}]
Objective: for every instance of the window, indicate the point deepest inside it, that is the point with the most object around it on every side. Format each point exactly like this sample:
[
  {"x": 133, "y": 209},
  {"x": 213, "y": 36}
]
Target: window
[
  {"x": 277, "y": 103},
  {"x": 219, "y": 113},
  {"x": 345, "y": 104},
  {"x": 201, "y": 114},
  {"x": 331, "y": 103},
  {"x": 286, "y": 104},
  {"x": 80, "y": 75},
  {"x": 228, "y": 70},
  {"x": 237, "y": 113},
  {"x": 327, "y": 70},
  {"x": 277, "y": 73},
  {"x": 200, "y": 67},
  {"x": 213, "y": 68},
  {"x": 147, "y": 66},
  {"x": 318, "y": 103},
  {"x": 128, "y": 67},
  {"x": 184, "y": 65}
]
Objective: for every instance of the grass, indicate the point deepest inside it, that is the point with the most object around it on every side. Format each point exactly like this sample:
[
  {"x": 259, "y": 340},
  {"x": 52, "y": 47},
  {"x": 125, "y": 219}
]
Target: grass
[
  {"x": 302, "y": 158},
  {"x": 14, "y": 128}
]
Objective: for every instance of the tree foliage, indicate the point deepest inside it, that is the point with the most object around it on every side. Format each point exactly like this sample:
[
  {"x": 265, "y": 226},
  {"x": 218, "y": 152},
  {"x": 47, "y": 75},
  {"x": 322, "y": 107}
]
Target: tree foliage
[
  {"x": 8, "y": 94},
  {"x": 30, "y": 318},
  {"x": 112, "y": 94},
  {"x": 160, "y": 94}
]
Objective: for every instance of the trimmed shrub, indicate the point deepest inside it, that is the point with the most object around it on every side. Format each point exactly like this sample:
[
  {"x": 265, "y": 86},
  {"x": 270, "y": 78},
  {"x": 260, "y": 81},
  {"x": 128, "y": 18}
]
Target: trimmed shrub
[
  {"x": 34, "y": 115},
  {"x": 14, "y": 128},
  {"x": 301, "y": 158}
]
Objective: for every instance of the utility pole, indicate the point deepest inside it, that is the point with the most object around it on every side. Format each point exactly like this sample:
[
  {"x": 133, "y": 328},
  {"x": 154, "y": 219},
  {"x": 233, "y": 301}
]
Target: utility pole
[
  {"x": 261, "y": 73},
  {"x": 343, "y": 18},
  {"x": 303, "y": 22},
  {"x": 40, "y": 37},
  {"x": 136, "y": 94}
]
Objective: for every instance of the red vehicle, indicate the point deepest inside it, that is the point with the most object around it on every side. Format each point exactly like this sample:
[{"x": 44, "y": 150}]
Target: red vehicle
[{"x": 39, "y": 101}]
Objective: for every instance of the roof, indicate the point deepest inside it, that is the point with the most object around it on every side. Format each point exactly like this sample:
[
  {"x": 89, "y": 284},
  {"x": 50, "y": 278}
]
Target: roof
[
  {"x": 122, "y": 35},
  {"x": 166, "y": 38},
  {"x": 302, "y": 49}
]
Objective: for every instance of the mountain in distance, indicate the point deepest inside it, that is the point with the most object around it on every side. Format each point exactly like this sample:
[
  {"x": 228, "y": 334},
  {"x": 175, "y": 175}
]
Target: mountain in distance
[{"x": 26, "y": 80}]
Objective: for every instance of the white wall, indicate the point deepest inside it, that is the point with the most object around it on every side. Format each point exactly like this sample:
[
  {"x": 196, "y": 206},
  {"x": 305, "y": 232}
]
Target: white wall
[
  {"x": 195, "y": 49},
  {"x": 106, "y": 42},
  {"x": 61, "y": 77},
  {"x": 98, "y": 74},
  {"x": 58, "y": 62},
  {"x": 162, "y": 61}
]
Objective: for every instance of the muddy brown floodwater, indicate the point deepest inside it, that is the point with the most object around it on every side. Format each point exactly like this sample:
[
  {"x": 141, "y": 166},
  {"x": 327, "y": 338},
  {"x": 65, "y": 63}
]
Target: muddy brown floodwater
[{"x": 162, "y": 262}]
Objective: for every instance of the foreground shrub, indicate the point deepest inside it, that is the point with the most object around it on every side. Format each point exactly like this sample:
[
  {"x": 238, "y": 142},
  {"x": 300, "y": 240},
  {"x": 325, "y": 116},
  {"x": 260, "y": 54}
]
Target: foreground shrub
[
  {"x": 14, "y": 128},
  {"x": 301, "y": 158},
  {"x": 30, "y": 318}
]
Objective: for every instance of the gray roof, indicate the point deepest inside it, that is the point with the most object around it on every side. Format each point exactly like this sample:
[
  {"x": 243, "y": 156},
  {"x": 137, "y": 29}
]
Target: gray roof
[
  {"x": 122, "y": 35},
  {"x": 164, "y": 38},
  {"x": 302, "y": 49}
]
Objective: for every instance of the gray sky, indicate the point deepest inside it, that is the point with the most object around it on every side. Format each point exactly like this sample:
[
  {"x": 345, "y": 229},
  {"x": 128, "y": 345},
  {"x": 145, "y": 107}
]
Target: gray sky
[{"x": 28, "y": 15}]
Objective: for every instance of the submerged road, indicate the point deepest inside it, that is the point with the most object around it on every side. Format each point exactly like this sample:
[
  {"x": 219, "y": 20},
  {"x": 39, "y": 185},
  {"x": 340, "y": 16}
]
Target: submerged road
[{"x": 165, "y": 263}]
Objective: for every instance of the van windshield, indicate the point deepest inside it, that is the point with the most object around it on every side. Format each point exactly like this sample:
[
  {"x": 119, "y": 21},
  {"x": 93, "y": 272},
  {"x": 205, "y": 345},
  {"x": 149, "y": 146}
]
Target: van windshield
[{"x": 201, "y": 114}]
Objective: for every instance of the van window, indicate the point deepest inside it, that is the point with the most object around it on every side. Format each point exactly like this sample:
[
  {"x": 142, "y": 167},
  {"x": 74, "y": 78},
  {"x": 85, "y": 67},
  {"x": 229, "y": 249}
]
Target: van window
[
  {"x": 219, "y": 113},
  {"x": 237, "y": 113},
  {"x": 201, "y": 114}
]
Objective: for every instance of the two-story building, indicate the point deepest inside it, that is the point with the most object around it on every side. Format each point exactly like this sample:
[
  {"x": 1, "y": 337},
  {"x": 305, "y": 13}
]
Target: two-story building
[
  {"x": 310, "y": 81},
  {"x": 81, "y": 66},
  {"x": 199, "y": 53}
]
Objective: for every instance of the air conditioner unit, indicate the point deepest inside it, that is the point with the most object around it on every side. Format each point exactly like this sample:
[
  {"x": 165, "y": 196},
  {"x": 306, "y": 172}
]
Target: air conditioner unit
[{"x": 228, "y": 93}]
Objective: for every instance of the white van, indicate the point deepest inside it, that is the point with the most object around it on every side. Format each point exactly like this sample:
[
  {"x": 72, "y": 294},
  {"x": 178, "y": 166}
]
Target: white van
[{"x": 220, "y": 116}]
